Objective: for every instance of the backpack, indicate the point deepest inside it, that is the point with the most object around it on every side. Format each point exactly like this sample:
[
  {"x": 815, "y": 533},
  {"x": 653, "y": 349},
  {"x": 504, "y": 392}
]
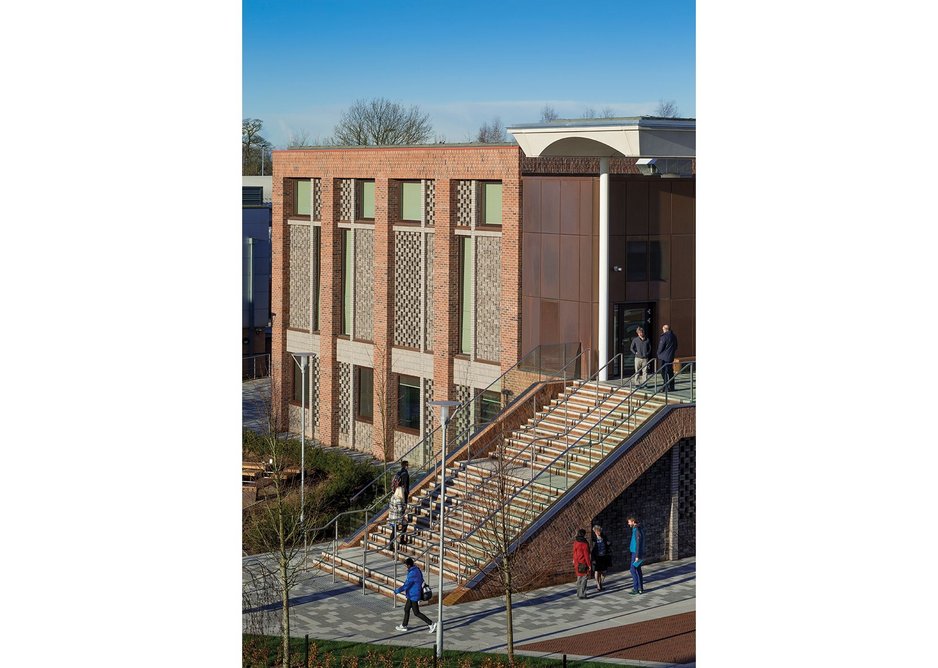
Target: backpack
[{"x": 427, "y": 593}]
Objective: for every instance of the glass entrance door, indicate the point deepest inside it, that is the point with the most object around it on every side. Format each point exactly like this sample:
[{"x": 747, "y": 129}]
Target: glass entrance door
[{"x": 626, "y": 319}]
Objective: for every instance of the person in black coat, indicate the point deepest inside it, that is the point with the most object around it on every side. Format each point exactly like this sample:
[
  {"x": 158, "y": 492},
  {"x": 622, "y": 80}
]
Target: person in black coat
[
  {"x": 402, "y": 479},
  {"x": 667, "y": 347},
  {"x": 641, "y": 348}
]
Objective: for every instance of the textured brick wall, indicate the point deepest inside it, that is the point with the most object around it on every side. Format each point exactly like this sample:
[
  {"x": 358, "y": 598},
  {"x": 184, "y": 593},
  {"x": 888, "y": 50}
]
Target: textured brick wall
[
  {"x": 442, "y": 166},
  {"x": 687, "y": 495}
]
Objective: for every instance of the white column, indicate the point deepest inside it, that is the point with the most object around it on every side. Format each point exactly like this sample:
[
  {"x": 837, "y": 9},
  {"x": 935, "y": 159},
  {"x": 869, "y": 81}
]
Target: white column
[{"x": 603, "y": 267}]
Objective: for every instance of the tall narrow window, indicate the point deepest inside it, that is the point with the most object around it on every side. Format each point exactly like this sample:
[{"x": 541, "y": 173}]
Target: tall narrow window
[
  {"x": 298, "y": 381},
  {"x": 490, "y": 403},
  {"x": 411, "y": 201},
  {"x": 465, "y": 295},
  {"x": 408, "y": 402},
  {"x": 364, "y": 391},
  {"x": 366, "y": 207},
  {"x": 346, "y": 282},
  {"x": 491, "y": 204},
  {"x": 302, "y": 198},
  {"x": 317, "y": 254}
]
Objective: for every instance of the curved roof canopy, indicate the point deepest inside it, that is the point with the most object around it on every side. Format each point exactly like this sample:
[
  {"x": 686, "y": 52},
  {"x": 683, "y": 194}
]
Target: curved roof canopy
[{"x": 639, "y": 137}]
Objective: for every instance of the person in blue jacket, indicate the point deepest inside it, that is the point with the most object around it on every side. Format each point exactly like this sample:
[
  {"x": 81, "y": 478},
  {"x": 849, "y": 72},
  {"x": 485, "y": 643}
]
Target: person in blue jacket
[
  {"x": 412, "y": 588},
  {"x": 637, "y": 548}
]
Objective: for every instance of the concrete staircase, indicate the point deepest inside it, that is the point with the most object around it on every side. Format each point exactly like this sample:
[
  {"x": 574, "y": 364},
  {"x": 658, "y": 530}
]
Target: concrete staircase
[{"x": 556, "y": 447}]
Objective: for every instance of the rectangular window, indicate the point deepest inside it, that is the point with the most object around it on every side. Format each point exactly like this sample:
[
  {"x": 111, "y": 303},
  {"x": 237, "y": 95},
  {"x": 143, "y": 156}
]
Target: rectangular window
[
  {"x": 252, "y": 195},
  {"x": 658, "y": 261},
  {"x": 302, "y": 198},
  {"x": 491, "y": 204},
  {"x": 636, "y": 261},
  {"x": 346, "y": 282},
  {"x": 317, "y": 253},
  {"x": 411, "y": 201},
  {"x": 298, "y": 380},
  {"x": 364, "y": 393},
  {"x": 366, "y": 200},
  {"x": 465, "y": 295},
  {"x": 490, "y": 403},
  {"x": 408, "y": 402}
]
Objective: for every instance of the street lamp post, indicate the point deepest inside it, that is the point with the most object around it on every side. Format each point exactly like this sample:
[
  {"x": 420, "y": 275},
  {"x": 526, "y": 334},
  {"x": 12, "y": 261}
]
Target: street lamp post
[
  {"x": 302, "y": 359},
  {"x": 444, "y": 414}
]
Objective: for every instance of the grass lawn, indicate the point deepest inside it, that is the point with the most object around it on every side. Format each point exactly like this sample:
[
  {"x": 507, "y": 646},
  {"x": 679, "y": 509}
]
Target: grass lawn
[{"x": 264, "y": 652}]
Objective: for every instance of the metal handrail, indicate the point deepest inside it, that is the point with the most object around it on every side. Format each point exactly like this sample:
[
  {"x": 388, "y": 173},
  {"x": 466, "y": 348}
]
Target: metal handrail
[
  {"x": 429, "y": 437},
  {"x": 565, "y": 453},
  {"x": 521, "y": 453}
]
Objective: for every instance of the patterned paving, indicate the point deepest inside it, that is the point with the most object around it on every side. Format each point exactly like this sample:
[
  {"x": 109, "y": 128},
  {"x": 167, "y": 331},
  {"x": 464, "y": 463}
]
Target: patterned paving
[{"x": 340, "y": 611}]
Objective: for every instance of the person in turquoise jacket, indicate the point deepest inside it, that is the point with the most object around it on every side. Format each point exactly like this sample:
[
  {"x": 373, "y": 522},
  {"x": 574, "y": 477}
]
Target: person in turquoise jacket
[
  {"x": 637, "y": 548},
  {"x": 412, "y": 588}
]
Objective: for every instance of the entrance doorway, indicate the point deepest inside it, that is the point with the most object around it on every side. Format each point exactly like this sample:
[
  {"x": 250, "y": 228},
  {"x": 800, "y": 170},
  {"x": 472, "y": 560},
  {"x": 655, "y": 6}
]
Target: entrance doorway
[{"x": 626, "y": 319}]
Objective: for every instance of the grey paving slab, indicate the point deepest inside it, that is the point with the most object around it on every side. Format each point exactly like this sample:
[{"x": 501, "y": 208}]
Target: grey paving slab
[{"x": 339, "y": 611}]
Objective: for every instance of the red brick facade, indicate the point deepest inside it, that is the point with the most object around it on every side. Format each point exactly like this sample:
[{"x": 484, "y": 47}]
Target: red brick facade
[{"x": 444, "y": 165}]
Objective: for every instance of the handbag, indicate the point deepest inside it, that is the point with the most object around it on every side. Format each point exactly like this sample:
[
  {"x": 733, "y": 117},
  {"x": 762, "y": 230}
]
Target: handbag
[
  {"x": 582, "y": 568},
  {"x": 427, "y": 593}
]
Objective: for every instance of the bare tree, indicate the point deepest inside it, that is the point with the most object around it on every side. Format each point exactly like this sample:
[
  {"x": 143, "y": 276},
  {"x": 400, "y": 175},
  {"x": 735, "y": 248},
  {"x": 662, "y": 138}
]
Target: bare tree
[
  {"x": 384, "y": 426},
  {"x": 492, "y": 132},
  {"x": 607, "y": 112},
  {"x": 506, "y": 516},
  {"x": 298, "y": 139},
  {"x": 548, "y": 114},
  {"x": 380, "y": 122},
  {"x": 589, "y": 112},
  {"x": 255, "y": 149},
  {"x": 666, "y": 109}
]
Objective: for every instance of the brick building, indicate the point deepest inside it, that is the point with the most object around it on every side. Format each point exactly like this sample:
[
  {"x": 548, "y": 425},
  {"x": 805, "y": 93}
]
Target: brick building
[{"x": 422, "y": 273}]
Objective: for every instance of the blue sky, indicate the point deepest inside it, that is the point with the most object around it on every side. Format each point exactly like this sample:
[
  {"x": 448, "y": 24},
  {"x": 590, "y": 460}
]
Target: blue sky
[{"x": 462, "y": 62}]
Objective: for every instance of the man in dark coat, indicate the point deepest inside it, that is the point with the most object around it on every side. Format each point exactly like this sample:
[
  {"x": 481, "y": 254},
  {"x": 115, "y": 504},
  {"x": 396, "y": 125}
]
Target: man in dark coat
[
  {"x": 667, "y": 347},
  {"x": 641, "y": 348}
]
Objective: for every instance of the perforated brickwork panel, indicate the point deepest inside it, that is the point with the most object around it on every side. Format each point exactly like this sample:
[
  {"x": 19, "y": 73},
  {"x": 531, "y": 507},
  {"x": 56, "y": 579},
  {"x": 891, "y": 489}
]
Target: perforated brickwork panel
[
  {"x": 345, "y": 200},
  {"x": 317, "y": 199},
  {"x": 488, "y": 264},
  {"x": 430, "y": 418},
  {"x": 345, "y": 384},
  {"x": 407, "y": 289},
  {"x": 464, "y": 203},
  {"x": 430, "y": 201},
  {"x": 299, "y": 277},
  {"x": 687, "y": 498},
  {"x": 428, "y": 334},
  {"x": 461, "y": 421},
  {"x": 314, "y": 394},
  {"x": 364, "y": 284}
]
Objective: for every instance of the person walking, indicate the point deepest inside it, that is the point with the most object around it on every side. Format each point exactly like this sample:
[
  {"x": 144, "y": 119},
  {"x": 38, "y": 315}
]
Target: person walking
[
  {"x": 396, "y": 516},
  {"x": 600, "y": 555},
  {"x": 581, "y": 562},
  {"x": 637, "y": 548},
  {"x": 641, "y": 348},
  {"x": 667, "y": 347},
  {"x": 412, "y": 588},
  {"x": 402, "y": 479}
]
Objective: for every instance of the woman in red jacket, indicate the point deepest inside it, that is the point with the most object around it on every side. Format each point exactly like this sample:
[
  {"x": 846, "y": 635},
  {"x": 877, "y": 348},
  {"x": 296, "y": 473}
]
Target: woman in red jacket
[{"x": 581, "y": 562}]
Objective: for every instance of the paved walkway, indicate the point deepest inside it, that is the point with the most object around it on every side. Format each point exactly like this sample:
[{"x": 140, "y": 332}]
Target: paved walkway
[
  {"x": 548, "y": 622},
  {"x": 339, "y": 611}
]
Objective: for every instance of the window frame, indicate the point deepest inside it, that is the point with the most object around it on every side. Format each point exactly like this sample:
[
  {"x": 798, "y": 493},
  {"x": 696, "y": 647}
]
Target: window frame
[
  {"x": 483, "y": 204},
  {"x": 360, "y": 200},
  {"x": 419, "y": 217},
  {"x": 359, "y": 372},
  {"x": 308, "y": 200},
  {"x": 401, "y": 378}
]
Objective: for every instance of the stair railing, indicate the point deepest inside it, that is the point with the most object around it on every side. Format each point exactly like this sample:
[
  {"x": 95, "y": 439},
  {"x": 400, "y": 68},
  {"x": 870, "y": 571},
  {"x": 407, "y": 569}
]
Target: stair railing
[{"x": 565, "y": 455}]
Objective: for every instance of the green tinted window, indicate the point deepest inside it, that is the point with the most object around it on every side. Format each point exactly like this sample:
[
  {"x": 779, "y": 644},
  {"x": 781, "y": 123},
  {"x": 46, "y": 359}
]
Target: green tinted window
[
  {"x": 465, "y": 296},
  {"x": 492, "y": 195},
  {"x": 368, "y": 199},
  {"x": 410, "y": 201},
  {"x": 302, "y": 198}
]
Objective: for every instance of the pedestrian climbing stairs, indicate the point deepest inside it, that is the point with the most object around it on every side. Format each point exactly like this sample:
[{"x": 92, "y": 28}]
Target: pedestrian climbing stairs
[{"x": 501, "y": 489}]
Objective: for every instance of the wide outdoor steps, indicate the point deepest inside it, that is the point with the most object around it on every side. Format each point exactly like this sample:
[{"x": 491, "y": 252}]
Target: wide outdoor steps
[{"x": 556, "y": 447}]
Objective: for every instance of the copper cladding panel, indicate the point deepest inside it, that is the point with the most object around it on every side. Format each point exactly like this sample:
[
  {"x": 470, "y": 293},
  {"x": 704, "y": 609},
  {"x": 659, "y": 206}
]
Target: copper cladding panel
[
  {"x": 569, "y": 207},
  {"x": 550, "y": 207},
  {"x": 636, "y": 208},
  {"x": 683, "y": 204},
  {"x": 549, "y": 320},
  {"x": 569, "y": 267},
  {"x": 550, "y": 266},
  {"x": 659, "y": 207},
  {"x": 531, "y": 205},
  {"x": 683, "y": 269},
  {"x": 531, "y": 264}
]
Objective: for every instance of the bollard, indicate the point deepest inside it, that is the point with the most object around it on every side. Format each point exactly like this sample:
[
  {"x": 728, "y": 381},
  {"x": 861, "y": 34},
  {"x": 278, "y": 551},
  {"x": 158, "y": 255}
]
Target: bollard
[
  {"x": 564, "y": 661},
  {"x": 306, "y": 651}
]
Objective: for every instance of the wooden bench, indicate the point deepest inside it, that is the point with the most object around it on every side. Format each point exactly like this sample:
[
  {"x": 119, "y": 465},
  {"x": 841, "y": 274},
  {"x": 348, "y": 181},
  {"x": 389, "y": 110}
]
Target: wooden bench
[{"x": 251, "y": 471}]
